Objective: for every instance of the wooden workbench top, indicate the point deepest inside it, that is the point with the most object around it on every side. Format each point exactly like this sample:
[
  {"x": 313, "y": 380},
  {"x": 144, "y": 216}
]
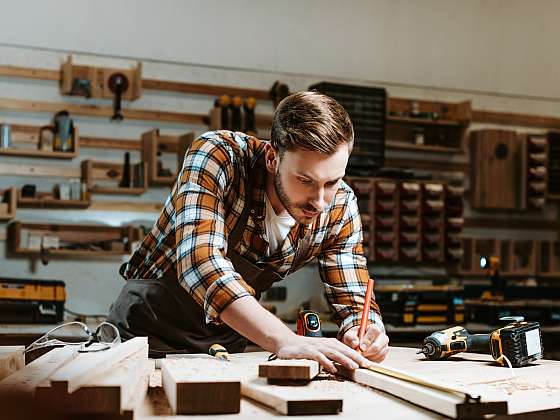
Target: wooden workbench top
[{"x": 537, "y": 387}]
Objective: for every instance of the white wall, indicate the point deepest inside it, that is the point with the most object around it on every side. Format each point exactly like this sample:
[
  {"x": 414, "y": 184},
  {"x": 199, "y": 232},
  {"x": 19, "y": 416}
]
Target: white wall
[
  {"x": 469, "y": 50},
  {"x": 505, "y": 46}
]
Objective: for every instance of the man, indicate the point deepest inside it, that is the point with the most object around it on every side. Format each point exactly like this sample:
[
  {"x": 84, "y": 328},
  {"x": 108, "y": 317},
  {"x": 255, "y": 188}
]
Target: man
[{"x": 243, "y": 214}]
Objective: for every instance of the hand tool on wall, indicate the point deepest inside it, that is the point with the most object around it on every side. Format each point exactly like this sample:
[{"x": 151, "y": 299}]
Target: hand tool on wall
[
  {"x": 249, "y": 126},
  {"x": 277, "y": 92},
  {"x": 519, "y": 342},
  {"x": 63, "y": 132},
  {"x": 118, "y": 84},
  {"x": 81, "y": 87},
  {"x": 224, "y": 102},
  {"x": 236, "y": 119},
  {"x": 125, "y": 180}
]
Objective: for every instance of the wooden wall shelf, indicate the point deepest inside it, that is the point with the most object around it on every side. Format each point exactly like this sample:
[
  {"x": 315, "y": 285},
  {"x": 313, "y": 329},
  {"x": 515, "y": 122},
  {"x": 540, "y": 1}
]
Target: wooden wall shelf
[
  {"x": 517, "y": 257},
  {"x": 36, "y": 239},
  {"x": 421, "y": 123},
  {"x": 154, "y": 143},
  {"x": 48, "y": 201},
  {"x": 98, "y": 173},
  {"x": 98, "y": 78},
  {"x": 29, "y": 135},
  {"x": 549, "y": 259},
  {"x": 401, "y": 145},
  {"x": 424, "y": 121},
  {"x": 8, "y": 199},
  {"x": 447, "y": 113}
]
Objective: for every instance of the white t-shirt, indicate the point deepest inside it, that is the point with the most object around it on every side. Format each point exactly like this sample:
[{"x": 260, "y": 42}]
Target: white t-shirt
[{"x": 277, "y": 227}]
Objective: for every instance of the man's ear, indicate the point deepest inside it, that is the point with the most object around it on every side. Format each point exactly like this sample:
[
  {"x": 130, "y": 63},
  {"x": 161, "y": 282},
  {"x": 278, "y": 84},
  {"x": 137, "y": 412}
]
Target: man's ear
[{"x": 271, "y": 157}]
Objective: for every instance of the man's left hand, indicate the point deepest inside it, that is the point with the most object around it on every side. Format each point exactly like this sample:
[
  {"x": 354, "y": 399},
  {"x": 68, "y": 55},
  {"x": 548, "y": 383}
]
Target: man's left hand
[{"x": 374, "y": 345}]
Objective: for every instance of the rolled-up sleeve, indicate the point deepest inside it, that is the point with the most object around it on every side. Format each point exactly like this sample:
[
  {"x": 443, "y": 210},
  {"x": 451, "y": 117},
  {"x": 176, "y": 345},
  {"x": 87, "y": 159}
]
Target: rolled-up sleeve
[
  {"x": 200, "y": 230},
  {"x": 343, "y": 269}
]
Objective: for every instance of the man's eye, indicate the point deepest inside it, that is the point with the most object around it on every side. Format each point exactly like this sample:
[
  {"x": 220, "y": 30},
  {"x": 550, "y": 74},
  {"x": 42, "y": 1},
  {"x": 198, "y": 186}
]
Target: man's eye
[
  {"x": 332, "y": 184},
  {"x": 304, "y": 181}
]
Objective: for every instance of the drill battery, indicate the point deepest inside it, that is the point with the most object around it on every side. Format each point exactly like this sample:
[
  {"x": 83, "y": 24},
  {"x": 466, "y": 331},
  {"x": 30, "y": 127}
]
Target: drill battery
[
  {"x": 31, "y": 301},
  {"x": 520, "y": 342}
]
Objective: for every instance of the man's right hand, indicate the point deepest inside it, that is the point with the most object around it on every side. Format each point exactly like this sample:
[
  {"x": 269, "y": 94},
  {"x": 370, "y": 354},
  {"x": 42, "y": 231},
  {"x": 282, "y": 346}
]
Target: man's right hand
[
  {"x": 326, "y": 351},
  {"x": 246, "y": 316}
]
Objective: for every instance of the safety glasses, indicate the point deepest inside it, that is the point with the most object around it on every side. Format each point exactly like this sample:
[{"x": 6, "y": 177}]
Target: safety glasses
[{"x": 75, "y": 333}]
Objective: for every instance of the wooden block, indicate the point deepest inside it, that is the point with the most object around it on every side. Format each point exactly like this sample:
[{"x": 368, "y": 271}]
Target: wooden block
[
  {"x": 301, "y": 371},
  {"x": 289, "y": 400},
  {"x": 80, "y": 371},
  {"x": 11, "y": 360},
  {"x": 201, "y": 386}
]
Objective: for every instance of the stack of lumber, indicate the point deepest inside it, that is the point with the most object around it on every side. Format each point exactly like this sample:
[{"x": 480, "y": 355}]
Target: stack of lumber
[
  {"x": 202, "y": 385},
  {"x": 66, "y": 384}
]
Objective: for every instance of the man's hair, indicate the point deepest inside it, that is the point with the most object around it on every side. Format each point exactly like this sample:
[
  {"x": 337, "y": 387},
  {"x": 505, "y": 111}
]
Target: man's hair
[{"x": 311, "y": 121}]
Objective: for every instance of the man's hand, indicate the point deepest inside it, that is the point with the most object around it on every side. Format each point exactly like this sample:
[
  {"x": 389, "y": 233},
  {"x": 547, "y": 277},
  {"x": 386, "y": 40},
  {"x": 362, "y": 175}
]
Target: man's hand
[
  {"x": 246, "y": 316},
  {"x": 324, "y": 350},
  {"x": 374, "y": 346}
]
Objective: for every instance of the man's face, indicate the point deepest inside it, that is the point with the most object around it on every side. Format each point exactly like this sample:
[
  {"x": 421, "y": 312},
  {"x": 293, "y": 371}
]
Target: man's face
[{"x": 306, "y": 181}]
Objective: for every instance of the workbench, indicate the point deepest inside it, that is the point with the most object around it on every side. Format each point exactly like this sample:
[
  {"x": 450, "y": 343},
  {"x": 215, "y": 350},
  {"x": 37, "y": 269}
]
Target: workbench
[{"x": 539, "y": 389}]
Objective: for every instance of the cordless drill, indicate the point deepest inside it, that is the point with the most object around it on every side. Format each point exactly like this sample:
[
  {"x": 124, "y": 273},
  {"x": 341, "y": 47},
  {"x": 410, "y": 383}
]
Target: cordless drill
[{"x": 519, "y": 342}]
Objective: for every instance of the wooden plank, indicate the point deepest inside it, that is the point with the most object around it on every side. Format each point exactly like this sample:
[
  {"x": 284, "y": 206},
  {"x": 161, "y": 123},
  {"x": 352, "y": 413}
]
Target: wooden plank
[
  {"x": 450, "y": 405},
  {"x": 290, "y": 401},
  {"x": 29, "y": 73},
  {"x": 100, "y": 111},
  {"x": 25, "y": 381},
  {"x": 510, "y": 118},
  {"x": 428, "y": 165},
  {"x": 18, "y": 391},
  {"x": 108, "y": 392},
  {"x": 521, "y": 224},
  {"x": 11, "y": 360},
  {"x": 15, "y": 169},
  {"x": 188, "y": 384},
  {"x": 150, "y": 84},
  {"x": 203, "y": 89},
  {"x": 126, "y": 206},
  {"x": 80, "y": 372},
  {"x": 535, "y": 387},
  {"x": 289, "y": 370},
  {"x": 108, "y": 143}
]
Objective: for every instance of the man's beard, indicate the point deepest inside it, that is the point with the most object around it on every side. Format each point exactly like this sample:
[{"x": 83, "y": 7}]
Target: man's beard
[{"x": 288, "y": 205}]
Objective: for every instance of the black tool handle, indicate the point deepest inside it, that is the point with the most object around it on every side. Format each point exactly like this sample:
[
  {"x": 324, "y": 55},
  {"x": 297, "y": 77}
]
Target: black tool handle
[
  {"x": 478, "y": 343},
  {"x": 118, "y": 84}
]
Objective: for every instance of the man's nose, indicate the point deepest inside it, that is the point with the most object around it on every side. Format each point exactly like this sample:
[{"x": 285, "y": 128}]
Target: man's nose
[{"x": 318, "y": 200}]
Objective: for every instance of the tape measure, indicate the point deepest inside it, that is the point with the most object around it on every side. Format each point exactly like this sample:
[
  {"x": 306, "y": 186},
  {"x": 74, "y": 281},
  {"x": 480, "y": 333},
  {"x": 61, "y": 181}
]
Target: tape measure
[{"x": 308, "y": 324}]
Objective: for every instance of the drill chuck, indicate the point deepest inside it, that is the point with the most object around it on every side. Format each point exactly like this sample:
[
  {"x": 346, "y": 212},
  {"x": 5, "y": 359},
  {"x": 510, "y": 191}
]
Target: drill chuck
[{"x": 433, "y": 346}]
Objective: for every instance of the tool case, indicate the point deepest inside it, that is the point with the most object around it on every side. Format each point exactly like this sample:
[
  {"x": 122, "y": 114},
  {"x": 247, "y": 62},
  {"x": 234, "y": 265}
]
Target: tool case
[{"x": 31, "y": 301}]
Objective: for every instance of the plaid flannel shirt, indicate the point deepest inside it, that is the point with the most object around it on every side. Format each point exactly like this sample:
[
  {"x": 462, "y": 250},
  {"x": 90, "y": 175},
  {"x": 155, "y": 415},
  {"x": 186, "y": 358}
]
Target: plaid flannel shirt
[{"x": 204, "y": 205}]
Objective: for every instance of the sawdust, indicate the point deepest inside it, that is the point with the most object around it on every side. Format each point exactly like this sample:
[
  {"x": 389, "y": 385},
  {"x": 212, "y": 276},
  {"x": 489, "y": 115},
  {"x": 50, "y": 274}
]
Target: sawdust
[{"x": 511, "y": 386}]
